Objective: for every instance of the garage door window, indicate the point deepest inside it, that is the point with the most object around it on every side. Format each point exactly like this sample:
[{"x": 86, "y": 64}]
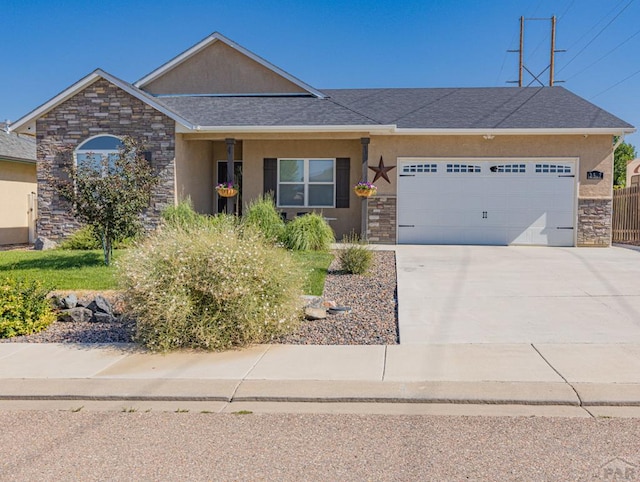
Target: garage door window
[
  {"x": 420, "y": 167},
  {"x": 462, "y": 168},
  {"x": 553, "y": 168},
  {"x": 306, "y": 182},
  {"x": 509, "y": 168}
]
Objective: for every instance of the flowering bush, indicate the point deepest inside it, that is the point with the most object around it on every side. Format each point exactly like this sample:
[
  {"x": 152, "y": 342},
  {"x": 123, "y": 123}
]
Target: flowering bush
[
  {"x": 212, "y": 287},
  {"x": 365, "y": 186},
  {"x": 227, "y": 185},
  {"x": 24, "y": 308}
]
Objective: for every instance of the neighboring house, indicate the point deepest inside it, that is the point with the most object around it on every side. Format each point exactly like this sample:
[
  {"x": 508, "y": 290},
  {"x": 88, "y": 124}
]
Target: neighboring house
[
  {"x": 633, "y": 173},
  {"x": 17, "y": 188},
  {"x": 464, "y": 165}
]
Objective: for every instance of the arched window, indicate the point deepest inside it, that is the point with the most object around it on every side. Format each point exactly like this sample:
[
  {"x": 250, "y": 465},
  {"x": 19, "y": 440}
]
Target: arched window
[{"x": 98, "y": 153}]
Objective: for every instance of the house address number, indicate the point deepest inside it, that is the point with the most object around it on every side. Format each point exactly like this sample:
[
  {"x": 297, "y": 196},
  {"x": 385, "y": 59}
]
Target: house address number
[{"x": 595, "y": 175}]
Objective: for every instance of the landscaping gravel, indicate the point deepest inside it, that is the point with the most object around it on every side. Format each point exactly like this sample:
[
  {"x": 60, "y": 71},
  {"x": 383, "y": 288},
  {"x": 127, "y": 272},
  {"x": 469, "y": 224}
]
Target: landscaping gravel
[
  {"x": 373, "y": 301},
  {"x": 371, "y": 321}
]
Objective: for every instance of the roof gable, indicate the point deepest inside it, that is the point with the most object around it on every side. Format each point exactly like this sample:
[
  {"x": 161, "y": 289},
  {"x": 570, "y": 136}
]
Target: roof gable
[
  {"x": 26, "y": 125},
  {"x": 217, "y": 65}
]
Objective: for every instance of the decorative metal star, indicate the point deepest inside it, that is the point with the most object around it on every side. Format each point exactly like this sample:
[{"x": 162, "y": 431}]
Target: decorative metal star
[{"x": 381, "y": 171}]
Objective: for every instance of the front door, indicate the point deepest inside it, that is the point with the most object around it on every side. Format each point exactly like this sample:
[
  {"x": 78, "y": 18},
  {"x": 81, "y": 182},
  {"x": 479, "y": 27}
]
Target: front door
[{"x": 221, "y": 203}]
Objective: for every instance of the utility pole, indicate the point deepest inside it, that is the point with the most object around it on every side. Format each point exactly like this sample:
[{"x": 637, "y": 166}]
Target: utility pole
[
  {"x": 521, "y": 50},
  {"x": 521, "y": 65},
  {"x": 552, "y": 61}
]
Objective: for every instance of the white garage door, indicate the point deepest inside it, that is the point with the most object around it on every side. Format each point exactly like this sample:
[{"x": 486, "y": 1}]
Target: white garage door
[{"x": 486, "y": 202}]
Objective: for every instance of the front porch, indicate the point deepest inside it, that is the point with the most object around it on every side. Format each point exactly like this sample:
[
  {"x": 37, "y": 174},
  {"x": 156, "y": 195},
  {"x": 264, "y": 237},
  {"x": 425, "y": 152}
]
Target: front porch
[{"x": 305, "y": 174}]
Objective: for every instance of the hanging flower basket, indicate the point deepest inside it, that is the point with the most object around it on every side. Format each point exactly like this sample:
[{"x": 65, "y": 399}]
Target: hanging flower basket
[
  {"x": 365, "y": 189},
  {"x": 227, "y": 189}
]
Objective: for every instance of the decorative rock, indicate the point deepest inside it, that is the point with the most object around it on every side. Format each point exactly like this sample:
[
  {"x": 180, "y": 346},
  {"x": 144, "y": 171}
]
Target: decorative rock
[
  {"x": 329, "y": 304},
  {"x": 69, "y": 301},
  {"x": 315, "y": 313},
  {"x": 77, "y": 315},
  {"x": 339, "y": 309},
  {"x": 102, "y": 318},
  {"x": 44, "y": 244},
  {"x": 100, "y": 305}
]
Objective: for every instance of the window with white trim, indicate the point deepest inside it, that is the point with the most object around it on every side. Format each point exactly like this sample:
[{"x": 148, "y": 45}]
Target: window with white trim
[
  {"x": 306, "y": 183},
  {"x": 98, "y": 154}
]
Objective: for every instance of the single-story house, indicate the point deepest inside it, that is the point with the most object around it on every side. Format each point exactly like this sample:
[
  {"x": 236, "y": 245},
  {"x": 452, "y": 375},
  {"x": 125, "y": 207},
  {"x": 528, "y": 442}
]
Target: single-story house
[
  {"x": 17, "y": 188},
  {"x": 527, "y": 166}
]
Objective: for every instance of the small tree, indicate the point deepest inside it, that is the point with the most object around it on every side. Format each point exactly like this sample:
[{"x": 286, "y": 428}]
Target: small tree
[
  {"x": 625, "y": 152},
  {"x": 111, "y": 198}
]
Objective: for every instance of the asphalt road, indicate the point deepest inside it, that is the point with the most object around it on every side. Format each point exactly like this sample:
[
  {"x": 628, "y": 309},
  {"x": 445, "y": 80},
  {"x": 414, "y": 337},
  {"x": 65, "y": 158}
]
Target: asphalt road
[{"x": 55, "y": 445}]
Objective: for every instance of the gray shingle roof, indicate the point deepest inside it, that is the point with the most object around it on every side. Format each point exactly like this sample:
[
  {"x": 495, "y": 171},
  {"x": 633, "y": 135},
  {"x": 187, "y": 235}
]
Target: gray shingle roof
[
  {"x": 447, "y": 108},
  {"x": 262, "y": 111},
  {"x": 14, "y": 147},
  {"x": 478, "y": 108}
]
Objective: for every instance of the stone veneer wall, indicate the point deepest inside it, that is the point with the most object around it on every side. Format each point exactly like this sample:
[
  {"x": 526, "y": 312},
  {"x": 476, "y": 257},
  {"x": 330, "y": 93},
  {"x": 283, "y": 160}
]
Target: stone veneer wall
[
  {"x": 594, "y": 222},
  {"x": 381, "y": 219},
  {"x": 101, "y": 108}
]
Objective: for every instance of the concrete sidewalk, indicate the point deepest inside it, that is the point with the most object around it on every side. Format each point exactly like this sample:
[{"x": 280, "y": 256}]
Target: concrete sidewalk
[{"x": 570, "y": 375}]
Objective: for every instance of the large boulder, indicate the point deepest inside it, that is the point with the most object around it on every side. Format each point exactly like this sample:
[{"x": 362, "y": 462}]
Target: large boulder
[
  {"x": 44, "y": 244},
  {"x": 69, "y": 301},
  {"x": 100, "y": 305},
  {"x": 75, "y": 315}
]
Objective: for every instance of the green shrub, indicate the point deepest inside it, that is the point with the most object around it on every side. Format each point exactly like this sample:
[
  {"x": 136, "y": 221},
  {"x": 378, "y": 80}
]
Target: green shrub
[
  {"x": 354, "y": 255},
  {"x": 263, "y": 215},
  {"x": 211, "y": 287},
  {"x": 24, "y": 308},
  {"x": 308, "y": 232},
  {"x": 183, "y": 216},
  {"x": 84, "y": 238}
]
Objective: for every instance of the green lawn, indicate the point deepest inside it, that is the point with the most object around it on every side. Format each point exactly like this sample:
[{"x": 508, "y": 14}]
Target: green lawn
[
  {"x": 316, "y": 263},
  {"x": 62, "y": 270},
  {"x": 84, "y": 270}
]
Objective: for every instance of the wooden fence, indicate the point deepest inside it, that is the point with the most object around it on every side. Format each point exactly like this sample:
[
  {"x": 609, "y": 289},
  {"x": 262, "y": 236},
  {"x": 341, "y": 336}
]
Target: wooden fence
[{"x": 626, "y": 215}]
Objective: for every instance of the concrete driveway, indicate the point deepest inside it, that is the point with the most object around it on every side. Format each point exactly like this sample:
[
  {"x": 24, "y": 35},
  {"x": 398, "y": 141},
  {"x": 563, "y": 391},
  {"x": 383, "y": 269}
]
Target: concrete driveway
[{"x": 496, "y": 294}]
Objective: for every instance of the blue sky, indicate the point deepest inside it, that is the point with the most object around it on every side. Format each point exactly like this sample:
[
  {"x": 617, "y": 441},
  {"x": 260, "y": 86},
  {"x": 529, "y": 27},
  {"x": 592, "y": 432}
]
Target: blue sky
[{"x": 47, "y": 45}]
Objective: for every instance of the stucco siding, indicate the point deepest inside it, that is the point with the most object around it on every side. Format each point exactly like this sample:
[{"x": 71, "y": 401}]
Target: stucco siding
[
  {"x": 346, "y": 219},
  {"x": 17, "y": 182},
  {"x": 220, "y": 69},
  {"x": 194, "y": 173}
]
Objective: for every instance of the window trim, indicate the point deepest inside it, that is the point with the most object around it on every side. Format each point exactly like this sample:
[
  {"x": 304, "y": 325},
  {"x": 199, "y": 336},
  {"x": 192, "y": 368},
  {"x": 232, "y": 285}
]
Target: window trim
[{"x": 305, "y": 181}]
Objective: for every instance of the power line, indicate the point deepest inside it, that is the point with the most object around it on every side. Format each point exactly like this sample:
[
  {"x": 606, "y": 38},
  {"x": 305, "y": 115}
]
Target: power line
[
  {"x": 504, "y": 59},
  {"x": 596, "y": 36},
  {"x": 546, "y": 37},
  {"x": 593, "y": 27},
  {"x": 616, "y": 84},
  {"x": 605, "y": 55}
]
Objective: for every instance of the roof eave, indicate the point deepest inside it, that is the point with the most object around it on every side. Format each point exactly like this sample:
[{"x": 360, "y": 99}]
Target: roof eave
[
  {"x": 17, "y": 159},
  {"x": 394, "y": 130},
  {"x": 293, "y": 129},
  {"x": 519, "y": 132}
]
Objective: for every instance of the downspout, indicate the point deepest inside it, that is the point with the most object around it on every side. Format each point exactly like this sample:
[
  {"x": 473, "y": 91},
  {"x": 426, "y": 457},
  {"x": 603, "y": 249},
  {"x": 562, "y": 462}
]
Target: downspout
[{"x": 619, "y": 141}]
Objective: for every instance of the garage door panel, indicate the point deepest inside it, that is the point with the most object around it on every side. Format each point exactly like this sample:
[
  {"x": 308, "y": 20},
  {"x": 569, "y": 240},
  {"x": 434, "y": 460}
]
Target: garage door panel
[{"x": 525, "y": 205}]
